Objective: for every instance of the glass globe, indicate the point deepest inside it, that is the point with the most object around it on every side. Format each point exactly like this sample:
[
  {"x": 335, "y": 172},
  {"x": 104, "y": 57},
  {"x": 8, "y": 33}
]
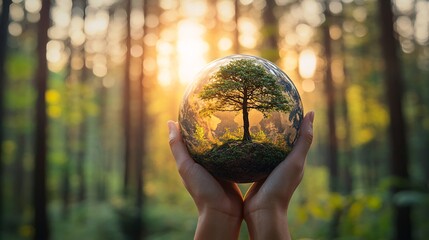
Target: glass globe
[{"x": 240, "y": 117}]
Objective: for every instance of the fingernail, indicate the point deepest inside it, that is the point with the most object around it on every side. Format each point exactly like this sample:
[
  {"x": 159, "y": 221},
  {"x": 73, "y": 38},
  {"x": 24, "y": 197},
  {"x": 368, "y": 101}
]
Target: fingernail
[
  {"x": 311, "y": 117},
  {"x": 172, "y": 132}
]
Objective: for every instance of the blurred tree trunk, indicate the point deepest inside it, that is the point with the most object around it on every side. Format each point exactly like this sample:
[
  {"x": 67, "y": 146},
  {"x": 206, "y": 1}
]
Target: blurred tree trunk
[
  {"x": 126, "y": 103},
  {"x": 348, "y": 162},
  {"x": 399, "y": 148},
  {"x": 141, "y": 123},
  {"x": 65, "y": 177},
  {"x": 83, "y": 128},
  {"x": 270, "y": 33},
  {"x": 3, "y": 47},
  {"x": 41, "y": 228},
  {"x": 331, "y": 103}
]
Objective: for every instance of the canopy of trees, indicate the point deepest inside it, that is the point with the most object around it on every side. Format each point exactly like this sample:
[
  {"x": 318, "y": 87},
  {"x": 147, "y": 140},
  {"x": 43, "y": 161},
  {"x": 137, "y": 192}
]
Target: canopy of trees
[{"x": 87, "y": 86}]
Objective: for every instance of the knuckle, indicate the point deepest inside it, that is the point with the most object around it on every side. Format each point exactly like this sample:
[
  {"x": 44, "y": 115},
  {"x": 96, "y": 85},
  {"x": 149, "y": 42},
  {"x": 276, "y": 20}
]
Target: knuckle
[
  {"x": 172, "y": 141},
  {"x": 184, "y": 169},
  {"x": 308, "y": 137},
  {"x": 297, "y": 166}
]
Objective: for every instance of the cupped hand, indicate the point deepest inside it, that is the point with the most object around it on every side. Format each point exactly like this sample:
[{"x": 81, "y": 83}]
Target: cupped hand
[
  {"x": 219, "y": 202},
  {"x": 266, "y": 202}
]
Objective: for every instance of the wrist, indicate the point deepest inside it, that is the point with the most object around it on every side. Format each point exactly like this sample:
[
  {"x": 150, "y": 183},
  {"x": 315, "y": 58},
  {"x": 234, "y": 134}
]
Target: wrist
[
  {"x": 213, "y": 224},
  {"x": 267, "y": 224}
]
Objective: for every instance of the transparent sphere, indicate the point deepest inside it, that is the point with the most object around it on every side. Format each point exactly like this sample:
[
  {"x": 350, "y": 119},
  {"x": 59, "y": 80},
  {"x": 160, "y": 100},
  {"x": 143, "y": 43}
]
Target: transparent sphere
[{"x": 240, "y": 117}]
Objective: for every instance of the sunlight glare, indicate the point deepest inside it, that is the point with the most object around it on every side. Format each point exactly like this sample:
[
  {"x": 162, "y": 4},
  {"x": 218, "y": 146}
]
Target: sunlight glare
[
  {"x": 15, "y": 29},
  {"x": 308, "y": 85},
  {"x": 191, "y": 49},
  {"x": 248, "y": 32},
  {"x": 246, "y": 2},
  {"x": 305, "y": 33},
  {"x": 421, "y": 24},
  {"x": 61, "y": 16},
  {"x": 404, "y": 6},
  {"x": 335, "y": 7},
  {"x": 56, "y": 55},
  {"x": 193, "y": 9},
  {"x": 16, "y": 12},
  {"x": 168, "y": 4},
  {"x": 136, "y": 51},
  {"x": 289, "y": 61},
  {"x": 224, "y": 44},
  {"x": 33, "y": 6},
  {"x": 97, "y": 24},
  {"x": 225, "y": 10},
  {"x": 307, "y": 63},
  {"x": 165, "y": 62}
]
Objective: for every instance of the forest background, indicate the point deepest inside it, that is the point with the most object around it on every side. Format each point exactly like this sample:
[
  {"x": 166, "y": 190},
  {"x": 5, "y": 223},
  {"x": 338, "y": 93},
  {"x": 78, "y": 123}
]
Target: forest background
[{"x": 87, "y": 86}]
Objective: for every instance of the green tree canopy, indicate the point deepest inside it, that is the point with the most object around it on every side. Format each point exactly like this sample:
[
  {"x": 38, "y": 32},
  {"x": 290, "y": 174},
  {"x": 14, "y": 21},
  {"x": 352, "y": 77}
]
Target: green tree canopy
[{"x": 242, "y": 85}]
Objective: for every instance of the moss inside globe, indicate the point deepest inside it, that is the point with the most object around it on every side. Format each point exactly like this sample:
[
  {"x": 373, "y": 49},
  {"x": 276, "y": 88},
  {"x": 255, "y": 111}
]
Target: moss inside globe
[{"x": 240, "y": 117}]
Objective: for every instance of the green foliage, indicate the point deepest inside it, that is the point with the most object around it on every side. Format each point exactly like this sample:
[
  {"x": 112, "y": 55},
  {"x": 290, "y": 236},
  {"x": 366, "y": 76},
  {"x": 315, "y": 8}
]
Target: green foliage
[
  {"x": 243, "y": 83},
  {"x": 88, "y": 221},
  {"x": 231, "y": 135},
  {"x": 20, "y": 66},
  {"x": 200, "y": 136}
]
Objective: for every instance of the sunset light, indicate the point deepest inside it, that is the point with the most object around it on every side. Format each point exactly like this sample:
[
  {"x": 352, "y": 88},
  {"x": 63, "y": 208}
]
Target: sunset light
[
  {"x": 191, "y": 49},
  {"x": 92, "y": 93},
  {"x": 307, "y": 63}
]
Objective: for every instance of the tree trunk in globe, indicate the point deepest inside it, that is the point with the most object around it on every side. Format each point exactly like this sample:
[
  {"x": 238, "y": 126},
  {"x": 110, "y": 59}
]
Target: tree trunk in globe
[
  {"x": 398, "y": 144},
  {"x": 41, "y": 228},
  {"x": 246, "y": 125}
]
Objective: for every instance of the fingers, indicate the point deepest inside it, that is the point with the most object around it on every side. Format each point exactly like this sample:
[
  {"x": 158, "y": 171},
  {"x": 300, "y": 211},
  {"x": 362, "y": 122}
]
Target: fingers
[
  {"x": 305, "y": 136},
  {"x": 178, "y": 148},
  {"x": 287, "y": 175},
  {"x": 296, "y": 159}
]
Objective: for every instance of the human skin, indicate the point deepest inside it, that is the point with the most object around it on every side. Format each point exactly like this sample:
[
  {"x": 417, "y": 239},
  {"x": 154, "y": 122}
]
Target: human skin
[{"x": 222, "y": 208}]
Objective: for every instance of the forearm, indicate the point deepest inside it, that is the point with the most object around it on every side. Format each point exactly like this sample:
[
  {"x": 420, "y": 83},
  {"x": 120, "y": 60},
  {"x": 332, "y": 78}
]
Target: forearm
[
  {"x": 268, "y": 224},
  {"x": 217, "y": 225}
]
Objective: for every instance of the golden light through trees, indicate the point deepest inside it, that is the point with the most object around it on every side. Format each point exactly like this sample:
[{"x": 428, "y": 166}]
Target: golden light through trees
[{"x": 90, "y": 53}]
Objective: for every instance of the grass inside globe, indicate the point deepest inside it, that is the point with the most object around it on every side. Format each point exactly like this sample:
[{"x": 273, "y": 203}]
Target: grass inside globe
[{"x": 240, "y": 118}]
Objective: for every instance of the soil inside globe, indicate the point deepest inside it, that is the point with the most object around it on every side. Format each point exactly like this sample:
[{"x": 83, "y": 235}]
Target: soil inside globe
[{"x": 242, "y": 161}]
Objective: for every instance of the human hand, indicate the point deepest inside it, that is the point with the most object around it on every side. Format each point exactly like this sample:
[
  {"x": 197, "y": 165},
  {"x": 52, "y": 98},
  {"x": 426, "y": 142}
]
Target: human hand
[
  {"x": 219, "y": 202},
  {"x": 267, "y": 201}
]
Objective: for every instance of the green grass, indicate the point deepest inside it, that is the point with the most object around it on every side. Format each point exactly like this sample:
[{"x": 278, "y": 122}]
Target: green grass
[{"x": 242, "y": 162}]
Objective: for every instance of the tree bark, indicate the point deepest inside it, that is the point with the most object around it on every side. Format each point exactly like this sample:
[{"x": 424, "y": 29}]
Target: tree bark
[
  {"x": 246, "y": 125},
  {"x": 83, "y": 126},
  {"x": 398, "y": 144},
  {"x": 330, "y": 97},
  {"x": 140, "y": 137},
  {"x": 4, "y": 22},
  {"x": 332, "y": 136},
  {"x": 126, "y": 104},
  {"x": 41, "y": 228}
]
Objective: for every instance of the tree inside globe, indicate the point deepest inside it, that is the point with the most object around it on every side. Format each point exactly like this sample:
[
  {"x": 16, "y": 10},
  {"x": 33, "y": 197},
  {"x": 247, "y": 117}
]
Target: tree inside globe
[{"x": 240, "y": 118}]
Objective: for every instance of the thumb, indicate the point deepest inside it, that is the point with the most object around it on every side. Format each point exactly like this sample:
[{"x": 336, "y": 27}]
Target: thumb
[
  {"x": 178, "y": 148},
  {"x": 305, "y": 136}
]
